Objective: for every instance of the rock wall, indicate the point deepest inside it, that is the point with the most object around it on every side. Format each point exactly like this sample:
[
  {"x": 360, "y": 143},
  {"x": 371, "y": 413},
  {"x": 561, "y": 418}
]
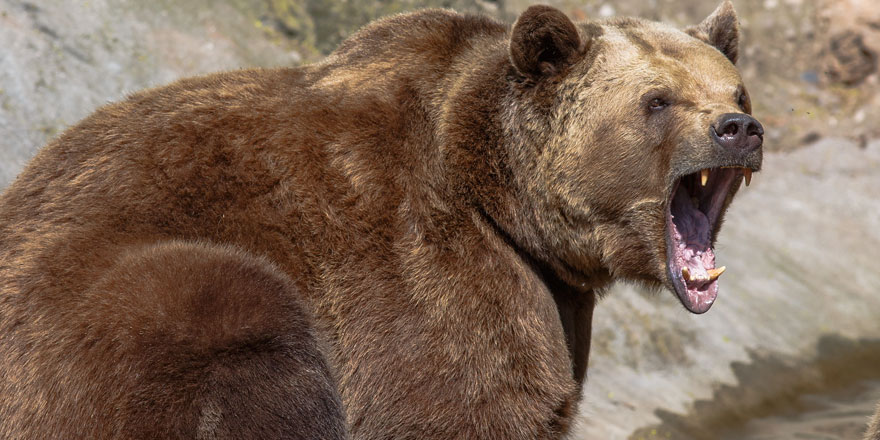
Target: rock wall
[{"x": 59, "y": 63}]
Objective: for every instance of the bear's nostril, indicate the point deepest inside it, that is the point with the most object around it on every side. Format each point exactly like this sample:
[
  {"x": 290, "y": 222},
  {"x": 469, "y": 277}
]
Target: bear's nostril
[
  {"x": 754, "y": 128},
  {"x": 731, "y": 129},
  {"x": 728, "y": 129}
]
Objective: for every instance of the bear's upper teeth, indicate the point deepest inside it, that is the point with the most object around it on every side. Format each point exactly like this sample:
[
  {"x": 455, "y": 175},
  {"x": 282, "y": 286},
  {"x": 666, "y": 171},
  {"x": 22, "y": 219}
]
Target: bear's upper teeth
[
  {"x": 747, "y": 173},
  {"x": 704, "y": 176}
]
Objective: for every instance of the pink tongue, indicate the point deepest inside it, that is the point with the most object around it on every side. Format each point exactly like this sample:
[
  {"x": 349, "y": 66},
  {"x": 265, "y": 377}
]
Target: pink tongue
[
  {"x": 690, "y": 223},
  {"x": 698, "y": 264},
  {"x": 693, "y": 251}
]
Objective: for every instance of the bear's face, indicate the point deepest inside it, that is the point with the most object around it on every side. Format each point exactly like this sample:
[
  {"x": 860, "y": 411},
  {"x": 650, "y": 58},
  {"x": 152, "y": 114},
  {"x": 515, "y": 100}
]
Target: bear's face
[{"x": 651, "y": 138}]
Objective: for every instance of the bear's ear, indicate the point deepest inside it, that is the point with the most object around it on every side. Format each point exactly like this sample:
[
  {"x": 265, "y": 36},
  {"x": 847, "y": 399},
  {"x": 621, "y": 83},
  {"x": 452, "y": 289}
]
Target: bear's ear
[
  {"x": 543, "y": 41},
  {"x": 720, "y": 29}
]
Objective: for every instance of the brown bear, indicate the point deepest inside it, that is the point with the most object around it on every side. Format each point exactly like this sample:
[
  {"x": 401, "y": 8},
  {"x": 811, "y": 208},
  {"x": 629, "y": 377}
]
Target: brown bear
[{"x": 415, "y": 229}]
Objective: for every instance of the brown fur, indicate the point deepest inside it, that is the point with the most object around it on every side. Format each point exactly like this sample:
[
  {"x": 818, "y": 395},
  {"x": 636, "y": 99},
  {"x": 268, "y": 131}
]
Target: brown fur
[
  {"x": 444, "y": 196},
  {"x": 171, "y": 340}
]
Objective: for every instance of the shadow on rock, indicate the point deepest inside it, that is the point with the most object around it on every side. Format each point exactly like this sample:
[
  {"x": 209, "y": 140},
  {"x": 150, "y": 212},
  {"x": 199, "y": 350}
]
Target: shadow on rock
[{"x": 771, "y": 385}]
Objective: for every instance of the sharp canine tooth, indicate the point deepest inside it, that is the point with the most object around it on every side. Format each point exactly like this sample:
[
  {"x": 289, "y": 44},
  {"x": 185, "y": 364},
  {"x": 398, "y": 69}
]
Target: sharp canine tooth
[
  {"x": 748, "y": 174},
  {"x": 715, "y": 273},
  {"x": 704, "y": 176},
  {"x": 686, "y": 274}
]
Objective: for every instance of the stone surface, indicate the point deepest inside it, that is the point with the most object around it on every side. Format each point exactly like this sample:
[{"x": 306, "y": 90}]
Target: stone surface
[{"x": 57, "y": 64}]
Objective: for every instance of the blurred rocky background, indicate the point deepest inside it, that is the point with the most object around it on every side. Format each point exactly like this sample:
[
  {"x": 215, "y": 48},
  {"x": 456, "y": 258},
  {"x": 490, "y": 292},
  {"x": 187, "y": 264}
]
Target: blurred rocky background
[{"x": 792, "y": 347}]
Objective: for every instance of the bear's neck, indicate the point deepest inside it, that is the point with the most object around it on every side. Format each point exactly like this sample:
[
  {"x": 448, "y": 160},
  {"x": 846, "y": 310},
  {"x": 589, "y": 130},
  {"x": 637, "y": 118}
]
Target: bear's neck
[
  {"x": 492, "y": 125},
  {"x": 467, "y": 127},
  {"x": 489, "y": 133}
]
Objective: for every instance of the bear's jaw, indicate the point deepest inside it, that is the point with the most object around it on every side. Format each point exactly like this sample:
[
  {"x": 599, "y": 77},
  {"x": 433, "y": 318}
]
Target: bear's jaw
[{"x": 692, "y": 217}]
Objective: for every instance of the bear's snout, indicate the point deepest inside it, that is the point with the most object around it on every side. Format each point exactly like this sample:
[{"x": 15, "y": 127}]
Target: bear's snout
[{"x": 738, "y": 133}]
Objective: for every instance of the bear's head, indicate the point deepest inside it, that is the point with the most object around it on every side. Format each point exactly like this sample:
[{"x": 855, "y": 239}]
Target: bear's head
[{"x": 633, "y": 137}]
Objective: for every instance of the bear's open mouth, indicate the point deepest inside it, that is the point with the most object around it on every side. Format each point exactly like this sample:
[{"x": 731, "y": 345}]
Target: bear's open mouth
[{"x": 692, "y": 217}]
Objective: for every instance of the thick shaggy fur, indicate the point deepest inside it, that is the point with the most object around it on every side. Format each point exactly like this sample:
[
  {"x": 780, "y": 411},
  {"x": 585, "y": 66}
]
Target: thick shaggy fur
[
  {"x": 443, "y": 195},
  {"x": 169, "y": 340}
]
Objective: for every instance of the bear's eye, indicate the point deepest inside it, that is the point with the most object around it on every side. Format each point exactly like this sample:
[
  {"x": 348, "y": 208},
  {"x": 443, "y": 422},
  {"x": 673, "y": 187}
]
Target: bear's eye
[
  {"x": 743, "y": 102},
  {"x": 658, "y": 104}
]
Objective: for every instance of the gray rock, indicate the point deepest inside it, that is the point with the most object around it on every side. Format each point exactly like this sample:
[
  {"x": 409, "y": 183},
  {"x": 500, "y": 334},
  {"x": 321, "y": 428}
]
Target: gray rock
[{"x": 61, "y": 60}]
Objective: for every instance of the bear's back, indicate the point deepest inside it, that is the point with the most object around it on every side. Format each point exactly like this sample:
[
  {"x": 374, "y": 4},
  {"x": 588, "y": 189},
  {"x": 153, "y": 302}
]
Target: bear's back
[{"x": 307, "y": 168}]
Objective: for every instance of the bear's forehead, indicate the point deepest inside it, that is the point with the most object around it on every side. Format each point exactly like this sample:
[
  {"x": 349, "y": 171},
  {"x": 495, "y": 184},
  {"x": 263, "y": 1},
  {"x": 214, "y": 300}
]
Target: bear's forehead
[
  {"x": 656, "y": 51},
  {"x": 649, "y": 40}
]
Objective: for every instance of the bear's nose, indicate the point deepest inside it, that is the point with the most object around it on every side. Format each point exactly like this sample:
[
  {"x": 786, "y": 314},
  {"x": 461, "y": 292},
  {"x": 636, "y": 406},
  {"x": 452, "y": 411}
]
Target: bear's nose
[{"x": 738, "y": 132}]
